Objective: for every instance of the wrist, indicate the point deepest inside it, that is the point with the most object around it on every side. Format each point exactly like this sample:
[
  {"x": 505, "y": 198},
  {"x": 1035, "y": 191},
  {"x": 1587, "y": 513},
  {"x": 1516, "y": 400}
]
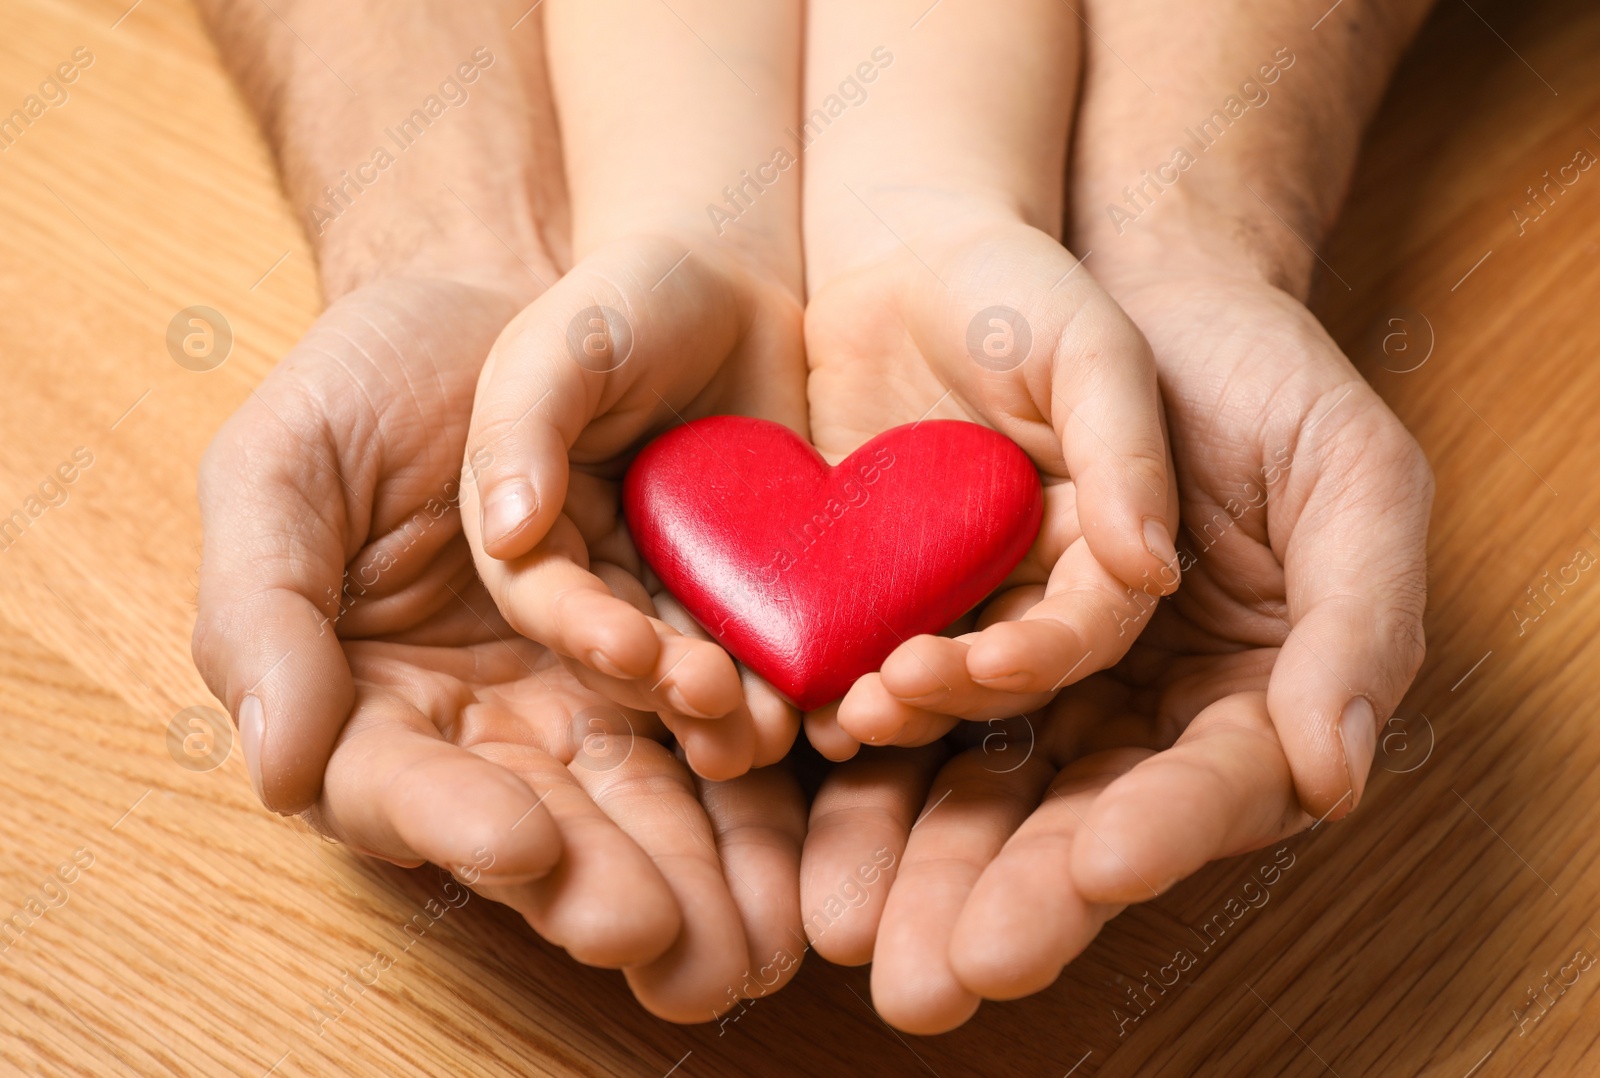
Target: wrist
[
  {"x": 444, "y": 165},
  {"x": 472, "y": 235},
  {"x": 1239, "y": 163},
  {"x": 870, "y": 223},
  {"x": 1184, "y": 231},
  {"x": 763, "y": 239}
]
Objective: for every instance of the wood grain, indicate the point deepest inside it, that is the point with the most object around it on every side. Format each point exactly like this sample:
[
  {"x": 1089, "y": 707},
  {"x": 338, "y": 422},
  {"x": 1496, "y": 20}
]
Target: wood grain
[{"x": 198, "y": 933}]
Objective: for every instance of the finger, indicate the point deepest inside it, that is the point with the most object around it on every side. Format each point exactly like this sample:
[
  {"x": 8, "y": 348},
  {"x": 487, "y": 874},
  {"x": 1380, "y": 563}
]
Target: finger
[
  {"x": 1012, "y": 603},
  {"x": 534, "y": 399},
  {"x": 1089, "y": 370},
  {"x": 425, "y": 587},
  {"x": 585, "y": 348},
  {"x": 760, "y": 823},
  {"x": 627, "y": 587},
  {"x": 549, "y": 595},
  {"x": 1224, "y": 788},
  {"x": 1356, "y": 580},
  {"x": 971, "y": 812},
  {"x": 717, "y": 750},
  {"x": 1085, "y": 622},
  {"x": 395, "y": 789},
  {"x": 827, "y": 737},
  {"x": 653, "y": 799},
  {"x": 1106, "y": 408},
  {"x": 274, "y": 555},
  {"x": 857, "y": 833},
  {"x": 773, "y": 721},
  {"x": 605, "y": 902},
  {"x": 692, "y": 677},
  {"x": 931, "y": 673},
  {"x": 869, "y": 714},
  {"x": 1025, "y": 918}
]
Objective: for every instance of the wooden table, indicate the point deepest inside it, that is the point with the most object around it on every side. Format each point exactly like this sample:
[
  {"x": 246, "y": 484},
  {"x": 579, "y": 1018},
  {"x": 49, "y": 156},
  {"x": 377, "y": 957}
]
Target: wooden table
[{"x": 167, "y": 924}]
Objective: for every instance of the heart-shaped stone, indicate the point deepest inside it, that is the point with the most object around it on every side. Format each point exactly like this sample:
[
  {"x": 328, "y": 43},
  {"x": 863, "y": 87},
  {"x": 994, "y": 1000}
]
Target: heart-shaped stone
[{"x": 812, "y": 575}]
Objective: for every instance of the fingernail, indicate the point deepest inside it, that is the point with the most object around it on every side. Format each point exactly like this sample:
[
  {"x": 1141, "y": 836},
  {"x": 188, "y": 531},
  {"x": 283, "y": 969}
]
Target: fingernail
[
  {"x": 597, "y": 660},
  {"x": 1158, "y": 542},
  {"x": 507, "y": 509},
  {"x": 680, "y": 704},
  {"x": 251, "y": 730},
  {"x": 1016, "y": 681},
  {"x": 1358, "y": 729}
]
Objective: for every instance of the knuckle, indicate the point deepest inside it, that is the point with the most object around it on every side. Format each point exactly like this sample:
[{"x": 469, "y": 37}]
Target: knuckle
[
  {"x": 1406, "y": 637},
  {"x": 207, "y": 645},
  {"x": 494, "y": 440},
  {"x": 512, "y": 600},
  {"x": 1414, "y": 465},
  {"x": 1150, "y": 467}
]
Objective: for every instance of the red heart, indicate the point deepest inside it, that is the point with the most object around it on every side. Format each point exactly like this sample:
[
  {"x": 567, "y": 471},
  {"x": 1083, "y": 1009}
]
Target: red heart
[{"x": 812, "y": 575}]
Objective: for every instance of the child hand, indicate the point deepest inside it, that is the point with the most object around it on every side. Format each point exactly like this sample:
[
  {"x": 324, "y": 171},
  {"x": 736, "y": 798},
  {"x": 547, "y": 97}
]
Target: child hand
[
  {"x": 643, "y": 334},
  {"x": 938, "y": 289},
  {"x": 995, "y": 322},
  {"x": 667, "y": 315}
]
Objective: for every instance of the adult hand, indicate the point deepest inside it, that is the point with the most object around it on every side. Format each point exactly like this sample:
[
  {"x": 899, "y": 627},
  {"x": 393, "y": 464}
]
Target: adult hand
[
  {"x": 1305, "y": 503},
  {"x": 477, "y": 200},
  {"x": 1221, "y": 730},
  {"x": 337, "y": 582},
  {"x": 339, "y": 611},
  {"x": 1306, "y": 506}
]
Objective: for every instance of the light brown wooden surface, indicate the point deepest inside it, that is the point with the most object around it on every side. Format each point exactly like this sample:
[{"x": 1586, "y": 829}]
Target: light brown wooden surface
[{"x": 203, "y": 930}]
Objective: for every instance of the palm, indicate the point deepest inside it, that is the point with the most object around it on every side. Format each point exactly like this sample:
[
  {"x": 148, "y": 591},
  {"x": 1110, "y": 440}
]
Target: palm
[
  {"x": 867, "y": 374},
  {"x": 880, "y": 348},
  {"x": 1234, "y": 418},
  {"x": 1285, "y": 458}
]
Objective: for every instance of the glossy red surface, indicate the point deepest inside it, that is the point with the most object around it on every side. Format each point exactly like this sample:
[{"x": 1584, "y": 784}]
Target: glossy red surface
[{"x": 812, "y": 575}]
